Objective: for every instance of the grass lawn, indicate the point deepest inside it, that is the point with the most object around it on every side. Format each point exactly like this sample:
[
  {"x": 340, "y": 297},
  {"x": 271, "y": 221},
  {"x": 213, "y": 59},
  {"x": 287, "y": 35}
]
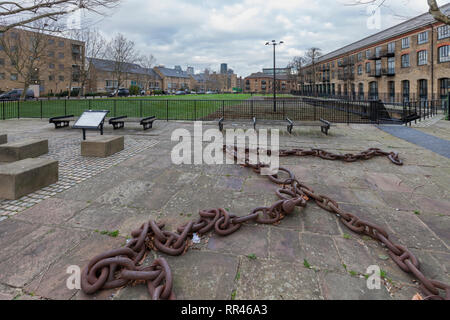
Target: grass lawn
[{"x": 187, "y": 107}]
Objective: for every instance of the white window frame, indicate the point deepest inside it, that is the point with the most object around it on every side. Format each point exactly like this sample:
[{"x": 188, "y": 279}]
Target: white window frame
[
  {"x": 422, "y": 37},
  {"x": 405, "y": 43},
  {"x": 422, "y": 62},
  {"x": 444, "y": 58},
  {"x": 443, "y": 32}
]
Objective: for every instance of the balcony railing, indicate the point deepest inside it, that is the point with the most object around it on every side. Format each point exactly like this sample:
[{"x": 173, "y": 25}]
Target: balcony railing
[
  {"x": 346, "y": 76},
  {"x": 388, "y": 72},
  {"x": 381, "y": 54},
  {"x": 375, "y": 73}
]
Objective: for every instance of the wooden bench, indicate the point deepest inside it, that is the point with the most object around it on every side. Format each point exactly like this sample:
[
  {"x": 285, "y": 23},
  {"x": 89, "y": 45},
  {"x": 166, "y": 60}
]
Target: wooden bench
[
  {"x": 119, "y": 122},
  {"x": 23, "y": 177},
  {"x": 221, "y": 121},
  {"x": 61, "y": 121},
  {"x": 323, "y": 124},
  {"x": 15, "y": 151}
]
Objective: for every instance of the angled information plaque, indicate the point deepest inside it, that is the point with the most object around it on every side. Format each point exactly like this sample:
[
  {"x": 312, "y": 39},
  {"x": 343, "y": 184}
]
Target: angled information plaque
[{"x": 91, "y": 120}]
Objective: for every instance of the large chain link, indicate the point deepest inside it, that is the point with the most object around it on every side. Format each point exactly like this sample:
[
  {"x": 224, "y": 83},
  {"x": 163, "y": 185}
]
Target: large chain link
[{"x": 117, "y": 268}]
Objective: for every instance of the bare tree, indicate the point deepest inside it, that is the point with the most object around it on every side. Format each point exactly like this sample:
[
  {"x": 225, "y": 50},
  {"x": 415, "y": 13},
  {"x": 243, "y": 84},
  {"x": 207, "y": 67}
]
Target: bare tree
[
  {"x": 296, "y": 66},
  {"x": 311, "y": 57},
  {"x": 94, "y": 49},
  {"x": 26, "y": 52},
  {"x": 24, "y": 13},
  {"x": 147, "y": 62},
  {"x": 434, "y": 9},
  {"x": 122, "y": 52}
]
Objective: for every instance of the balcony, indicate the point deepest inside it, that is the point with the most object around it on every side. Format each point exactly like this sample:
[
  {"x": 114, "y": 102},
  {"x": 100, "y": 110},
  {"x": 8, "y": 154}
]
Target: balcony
[
  {"x": 381, "y": 54},
  {"x": 346, "y": 62},
  {"x": 390, "y": 72},
  {"x": 375, "y": 73},
  {"x": 346, "y": 76}
]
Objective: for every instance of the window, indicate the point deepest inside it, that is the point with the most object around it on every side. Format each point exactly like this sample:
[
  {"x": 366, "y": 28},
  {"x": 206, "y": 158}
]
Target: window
[
  {"x": 61, "y": 78},
  {"x": 61, "y": 55},
  {"x": 368, "y": 67},
  {"x": 373, "y": 90},
  {"x": 61, "y": 67},
  {"x": 444, "y": 87},
  {"x": 391, "y": 65},
  {"x": 51, "y": 41},
  {"x": 1, "y": 48},
  {"x": 405, "y": 61},
  {"x": 51, "y": 53},
  {"x": 378, "y": 52},
  {"x": 360, "y": 56},
  {"x": 2, "y": 62},
  {"x": 51, "y": 78},
  {"x": 444, "y": 53},
  {"x": 14, "y": 76},
  {"x": 443, "y": 32},
  {"x": 422, "y": 57},
  {"x": 405, "y": 89},
  {"x": 361, "y": 91},
  {"x": 61, "y": 44},
  {"x": 51, "y": 66},
  {"x": 405, "y": 43},
  {"x": 360, "y": 70},
  {"x": 422, "y": 37},
  {"x": 2, "y": 76},
  {"x": 391, "y": 85},
  {"x": 423, "y": 89},
  {"x": 391, "y": 47},
  {"x": 368, "y": 54}
]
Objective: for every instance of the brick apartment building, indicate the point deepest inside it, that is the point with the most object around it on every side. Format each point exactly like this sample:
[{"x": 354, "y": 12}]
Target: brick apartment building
[
  {"x": 408, "y": 61},
  {"x": 104, "y": 77},
  {"x": 262, "y": 82},
  {"x": 174, "y": 79},
  {"x": 58, "y": 67}
]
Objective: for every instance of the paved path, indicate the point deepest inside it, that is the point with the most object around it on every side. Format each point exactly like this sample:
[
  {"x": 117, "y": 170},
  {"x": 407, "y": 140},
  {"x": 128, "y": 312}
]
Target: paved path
[
  {"x": 427, "y": 141},
  {"x": 68, "y": 228}
]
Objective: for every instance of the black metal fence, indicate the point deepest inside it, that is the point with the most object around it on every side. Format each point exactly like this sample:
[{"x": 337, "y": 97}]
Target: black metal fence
[{"x": 295, "y": 108}]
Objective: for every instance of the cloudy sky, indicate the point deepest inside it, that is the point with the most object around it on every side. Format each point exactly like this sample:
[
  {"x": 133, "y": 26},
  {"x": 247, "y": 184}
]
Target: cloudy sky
[{"x": 205, "y": 33}]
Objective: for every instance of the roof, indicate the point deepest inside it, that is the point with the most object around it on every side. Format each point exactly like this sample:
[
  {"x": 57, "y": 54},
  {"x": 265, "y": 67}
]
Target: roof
[
  {"x": 109, "y": 65},
  {"x": 402, "y": 28},
  {"x": 268, "y": 76},
  {"x": 175, "y": 73}
]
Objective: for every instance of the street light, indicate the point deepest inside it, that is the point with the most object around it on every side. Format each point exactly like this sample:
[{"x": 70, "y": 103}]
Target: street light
[{"x": 274, "y": 44}]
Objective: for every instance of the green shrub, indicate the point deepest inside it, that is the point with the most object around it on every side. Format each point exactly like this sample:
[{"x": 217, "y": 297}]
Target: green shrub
[{"x": 134, "y": 90}]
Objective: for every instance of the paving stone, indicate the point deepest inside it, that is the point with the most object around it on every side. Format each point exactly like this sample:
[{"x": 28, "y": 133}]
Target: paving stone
[
  {"x": 388, "y": 182},
  {"x": 275, "y": 280},
  {"x": 246, "y": 241},
  {"x": 285, "y": 245},
  {"x": 320, "y": 251},
  {"x": 53, "y": 211},
  {"x": 355, "y": 254},
  {"x": 110, "y": 218},
  {"x": 125, "y": 193},
  {"x": 197, "y": 276},
  {"x": 336, "y": 286},
  {"x": 52, "y": 283},
  {"x": 36, "y": 257},
  {"x": 439, "y": 224},
  {"x": 317, "y": 220}
]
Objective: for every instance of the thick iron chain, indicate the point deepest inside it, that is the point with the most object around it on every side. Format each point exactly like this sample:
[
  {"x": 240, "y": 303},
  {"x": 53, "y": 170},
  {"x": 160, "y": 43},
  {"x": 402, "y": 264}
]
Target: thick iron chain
[{"x": 117, "y": 268}]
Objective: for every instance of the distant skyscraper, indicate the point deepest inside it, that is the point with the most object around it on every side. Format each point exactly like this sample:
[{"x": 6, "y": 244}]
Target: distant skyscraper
[{"x": 223, "y": 68}]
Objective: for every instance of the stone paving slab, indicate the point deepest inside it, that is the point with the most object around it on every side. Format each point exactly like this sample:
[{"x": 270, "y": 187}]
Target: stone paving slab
[{"x": 63, "y": 227}]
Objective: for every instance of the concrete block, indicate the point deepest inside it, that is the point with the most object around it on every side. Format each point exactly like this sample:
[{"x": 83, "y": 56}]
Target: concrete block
[
  {"x": 102, "y": 146},
  {"x": 15, "y": 151},
  {"x": 3, "y": 138},
  {"x": 20, "y": 178}
]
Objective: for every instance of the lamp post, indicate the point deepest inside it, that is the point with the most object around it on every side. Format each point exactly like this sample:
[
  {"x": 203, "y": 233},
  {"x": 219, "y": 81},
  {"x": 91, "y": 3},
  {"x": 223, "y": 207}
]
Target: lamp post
[{"x": 274, "y": 44}]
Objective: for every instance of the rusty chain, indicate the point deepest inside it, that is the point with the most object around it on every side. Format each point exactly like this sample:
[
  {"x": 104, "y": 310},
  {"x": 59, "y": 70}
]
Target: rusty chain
[{"x": 119, "y": 267}]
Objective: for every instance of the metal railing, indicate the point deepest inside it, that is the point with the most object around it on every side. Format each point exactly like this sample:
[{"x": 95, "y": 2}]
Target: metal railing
[{"x": 294, "y": 108}]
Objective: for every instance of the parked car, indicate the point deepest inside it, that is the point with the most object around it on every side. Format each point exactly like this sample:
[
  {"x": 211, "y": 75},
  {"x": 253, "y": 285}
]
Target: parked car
[
  {"x": 210, "y": 92},
  {"x": 179, "y": 93},
  {"x": 193, "y": 92},
  {"x": 122, "y": 93},
  {"x": 16, "y": 94}
]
